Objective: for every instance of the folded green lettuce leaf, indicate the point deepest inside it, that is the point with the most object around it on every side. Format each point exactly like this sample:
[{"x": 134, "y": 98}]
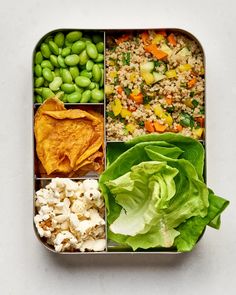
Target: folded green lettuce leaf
[{"x": 155, "y": 193}]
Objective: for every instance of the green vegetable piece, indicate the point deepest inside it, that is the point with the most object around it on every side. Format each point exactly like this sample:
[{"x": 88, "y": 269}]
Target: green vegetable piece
[
  {"x": 54, "y": 61},
  {"x": 97, "y": 38},
  {"x": 47, "y": 93},
  {"x": 83, "y": 57},
  {"x": 66, "y": 76},
  {"x": 195, "y": 103},
  {"x": 127, "y": 91},
  {"x": 38, "y": 70},
  {"x": 38, "y": 99},
  {"x": 68, "y": 88},
  {"x": 92, "y": 51},
  {"x": 92, "y": 85},
  {"x": 47, "y": 64},
  {"x": 39, "y": 82},
  {"x": 101, "y": 65},
  {"x": 102, "y": 78},
  {"x": 55, "y": 84},
  {"x": 59, "y": 39},
  {"x": 78, "y": 47},
  {"x": 38, "y": 90},
  {"x": 74, "y": 97},
  {"x": 45, "y": 50},
  {"x": 72, "y": 60},
  {"x": 100, "y": 58},
  {"x": 96, "y": 73},
  {"x": 47, "y": 74},
  {"x": 38, "y": 58},
  {"x": 186, "y": 120},
  {"x": 87, "y": 74},
  {"x": 59, "y": 95},
  {"x": 65, "y": 51},
  {"x": 86, "y": 95},
  {"x": 47, "y": 39},
  {"x": 61, "y": 61},
  {"x": 57, "y": 72},
  {"x": 74, "y": 71},
  {"x": 97, "y": 95},
  {"x": 82, "y": 81},
  {"x": 100, "y": 47},
  {"x": 53, "y": 47},
  {"x": 74, "y": 36},
  {"x": 89, "y": 65}
]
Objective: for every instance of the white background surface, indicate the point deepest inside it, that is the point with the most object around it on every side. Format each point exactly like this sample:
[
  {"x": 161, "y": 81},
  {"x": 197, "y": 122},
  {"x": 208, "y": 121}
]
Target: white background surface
[{"x": 26, "y": 267}]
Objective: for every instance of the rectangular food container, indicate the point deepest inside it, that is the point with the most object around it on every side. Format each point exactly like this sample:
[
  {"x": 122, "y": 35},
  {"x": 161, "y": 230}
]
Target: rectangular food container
[{"x": 40, "y": 180}]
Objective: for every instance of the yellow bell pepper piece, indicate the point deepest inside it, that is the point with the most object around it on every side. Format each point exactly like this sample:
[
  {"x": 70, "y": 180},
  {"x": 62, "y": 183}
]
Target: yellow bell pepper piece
[
  {"x": 171, "y": 74},
  {"x": 198, "y": 132},
  {"x": 148, "y": 77},
  {"x": 113, "y": 74},
  {"x": 109, "y": 89},
  {"x": 157, "y": 39},
  {"x": 130, "y": 127},
  {"x": 136, "y": 91},
  {"x": 133, "y": 77},
  {"x": 188, "y": 103},
  {"x": 185, "y": 67},
  {"x": 168, "y": 119},
  {"x": 147, "y": 106},
  {"x": 116, "y": 107},
  {"x": 125, "y": 113},
  {"x": 159, "y": 112}
]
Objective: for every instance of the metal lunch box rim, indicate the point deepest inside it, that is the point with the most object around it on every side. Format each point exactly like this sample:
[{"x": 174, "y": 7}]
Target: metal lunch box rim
[{"x": 105, "y": 31}]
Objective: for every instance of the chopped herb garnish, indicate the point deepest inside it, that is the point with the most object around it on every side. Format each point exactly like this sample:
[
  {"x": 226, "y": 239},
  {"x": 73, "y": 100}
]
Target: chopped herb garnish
[
  {"x": 192, "y": 94},
  {"x": 110, "y": 114},
  {"x": 195, "y": 103},
  {"x": 170, "y": 109},
  {"x": 146, "y": 99},
  {"x": 116, "y": 81},
  {"x": 202, "y": 111},
  {"x": 127, "y": 91},
  {"x": 141, "y": 123},
  {"x": 187, "y": 120},
  {"x": 184, "y": 85},
  {"x": 126, "y": 58}
]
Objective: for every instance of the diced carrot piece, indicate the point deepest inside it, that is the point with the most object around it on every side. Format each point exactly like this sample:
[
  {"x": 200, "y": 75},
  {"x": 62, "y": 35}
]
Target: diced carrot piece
[
  {"x": 201, "y": 121},
  {"x": 178, "y": 128},
  {"x": 149, "y": 126},
  {"x": 122, "y": 39},
  {"x": 162, "y": 32},
  {"x": 169, "y": 100},
  {"x": 137, "y": 98},
  {"x": 159, "y": 127},
  {"x": 159, "y": 54},
  {"x": 171, "y": 39},
  {"x": 120, "y": 90},
  {"x": 145, "y": 37},
  {"x": 192, "y": 82}
]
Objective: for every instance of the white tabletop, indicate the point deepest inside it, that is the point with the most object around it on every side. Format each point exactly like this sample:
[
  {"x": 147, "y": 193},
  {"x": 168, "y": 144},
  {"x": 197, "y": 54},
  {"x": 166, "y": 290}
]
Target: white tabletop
[{"x": 26, "y": 267}]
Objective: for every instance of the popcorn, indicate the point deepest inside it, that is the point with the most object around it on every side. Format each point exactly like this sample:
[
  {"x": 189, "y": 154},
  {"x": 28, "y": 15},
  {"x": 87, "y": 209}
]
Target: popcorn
[{"x": 70, "y": 215}]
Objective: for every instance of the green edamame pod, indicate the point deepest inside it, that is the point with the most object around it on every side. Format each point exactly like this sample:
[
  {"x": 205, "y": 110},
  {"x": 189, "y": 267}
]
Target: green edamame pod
[
  {"x": 83, "y": 57},
  {"x": 65, "y": 51},
  {"x": 61, "y": 61},
  {"x": 82, "y": 81},
  {"x": 89, "y": 65},
  {"x": 86, "y": 95},
  {"x": 47, "y": 64},
  {"x": 38, "y": 90},
  {"x": 38, "y": 98},
  {"x": 48, "y": 39},
  {"x": 68, "y": 88},
  {"x": 59, "y": 39},
  {"x": 100, "y": 47},
  {"x": 55, "y": 84},
  {"x": 92, "y": 50},
  {"x": 78, "y": 89},
  {"x": 38, "y": 58},
  {"x": 59, "y": 95},
  {"x": 73, "y": 36},
  {"x": 74, "y": 97},
  {"x": 102, "y": 78},
  {"x": 101, "y": 65},
  {"x": 64, "y": 97},
  {"x": 66, "y": 76},
  {"x": 96, "y": 73},
  {"x": 86, "y": 38},
  {"x": 47, "y": 93},
  {"x": 74, "y": 71},
  {"x": 78, "y": 47},
  {"x": 97, "y": 38},
  {"x": 72, "y": 60},
  {"x": 39, "y": 82},
  {"x": 38, "y": 70},
  {"x": 92, "y": 85},
  {"x": 97, "y": 95},
  {"x": 53, "y": 47},
  {"x": 53, "y": 60},
  {"x": 87, "y": 74},
  {"x": 97, "y": 85},
  {"x": 68, "y": 44},
  {"x": 45, "y": 50},
  {"x": 47, "y": 74},
  {"x": 100, "y": 58},
  {"x": 57, "y": 72}
]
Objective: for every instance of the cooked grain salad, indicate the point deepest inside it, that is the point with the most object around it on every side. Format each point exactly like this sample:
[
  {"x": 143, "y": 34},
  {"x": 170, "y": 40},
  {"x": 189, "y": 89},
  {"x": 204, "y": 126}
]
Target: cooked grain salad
[{"x": 154, "y": 83}]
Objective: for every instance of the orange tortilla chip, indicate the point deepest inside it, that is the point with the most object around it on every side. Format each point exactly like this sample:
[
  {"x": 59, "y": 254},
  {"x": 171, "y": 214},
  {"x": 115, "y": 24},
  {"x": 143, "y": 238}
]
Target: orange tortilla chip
[{"x": 68, "y": 140}]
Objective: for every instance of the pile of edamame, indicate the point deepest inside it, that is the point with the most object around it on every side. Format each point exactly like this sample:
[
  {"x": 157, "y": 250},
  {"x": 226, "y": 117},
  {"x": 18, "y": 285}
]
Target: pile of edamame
[{"x": 70, "y": 66}]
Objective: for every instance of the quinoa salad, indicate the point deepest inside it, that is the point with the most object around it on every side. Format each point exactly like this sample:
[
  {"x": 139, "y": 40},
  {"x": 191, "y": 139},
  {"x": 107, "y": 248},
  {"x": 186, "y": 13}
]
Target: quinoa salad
[{"x": 154, "y": 84}]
